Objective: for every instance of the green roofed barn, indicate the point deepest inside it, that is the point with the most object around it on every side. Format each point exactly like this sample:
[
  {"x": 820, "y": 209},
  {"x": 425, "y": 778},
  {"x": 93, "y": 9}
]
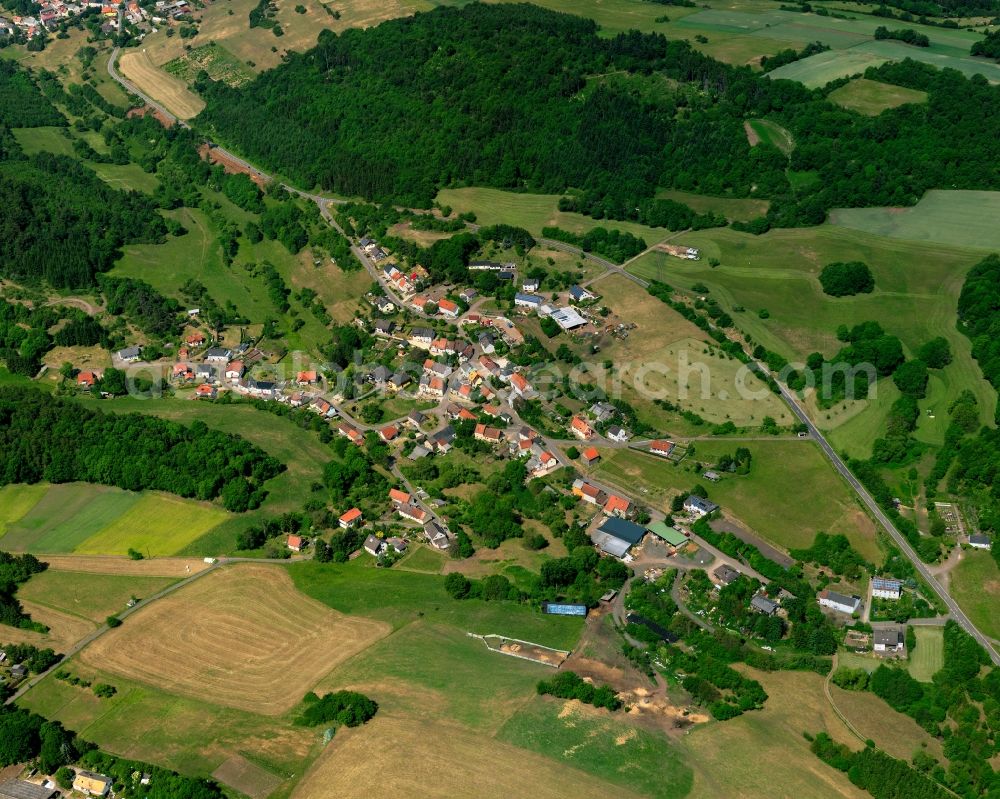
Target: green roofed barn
[{"x": 671, "y": 535}]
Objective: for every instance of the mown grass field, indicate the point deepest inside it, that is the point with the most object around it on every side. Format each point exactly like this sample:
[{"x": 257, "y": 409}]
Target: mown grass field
[
  {"x": 400, "y": 597},
  {"x": 895, "y": 733},
  {"x": 916, "y": 292},
  {"x": 15, "y": 501},
  {"x": 764, "y": 753},
  {"x": 667, "y": 357},
  {"x": 92, "y": 596},
  {"x": 927, "y": 658},
  {"x": 599, "y": 743},
  {"x": 768, "y": 132},
  {"x": 975, "y": 585},
  {"x": 733, "y": 208},
  {"x": 872, "y": 97},
  {"x": 533, "y": 212},
  {"x": 93, "y": 519},
  {"x": 956, "y": 218},
  {"x": 823, "y": 502}
]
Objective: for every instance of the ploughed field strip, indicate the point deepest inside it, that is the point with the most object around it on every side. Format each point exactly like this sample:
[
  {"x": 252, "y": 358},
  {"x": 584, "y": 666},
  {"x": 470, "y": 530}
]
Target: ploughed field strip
[{"x": 242, "y": 637}]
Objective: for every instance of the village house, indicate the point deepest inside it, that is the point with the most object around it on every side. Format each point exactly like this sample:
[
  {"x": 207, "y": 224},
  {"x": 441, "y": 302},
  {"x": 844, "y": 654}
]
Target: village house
[
  {"x": 206, "y": 372},
  {"x": 889, "y": 641},
  {"x": 86, "y": 379},
  {"x": 388, "y": 433},
  {"x": 724, "y": 575},
  {"x": 839, "y": 602},
  {"x": 218, "y": 355},
  {"x": 129, "y": 354},
  {"x": 295, "y": 543},
  {"x": 487, "y": 343},
  {"x": 616, "y": 433},
  {"x": 234, "y": 370},
  {"x": 661, "y": 448},
  {"x": 581, "y": 429},
  {"x": 431, "y": 386},
  {"x": 91, "y": 783},
  {"x": 448, "y": 307},
  {"x": 351, "y": 432},
  {"x": 399, "y": 381},
  {"x": 416, "y": 418},
  {"x": 618, "y": 506},
  {"x": 763, "y": 604},
  {"x": 468, "y": 295},
  {"x": 520, "y": 384},
  {"x": 196, "y": 339},
  {"x": 398, "y": 497},
  {"x": 437, "y": 537},
  {"x": 580, "y": 294},
  {"x": 421, "y": 337},
  {"x": 490, "y": 435},
  {"x": 589, "y": 493},
  {"x": 384, "y": 327},
  {"x": 530, "y": 285},
  {"x": 307, "y": 378},
  {"x": 412, "y": 512},
  {"x": 205, "y": 391},
  {"x": 374, "y": 546},
  {"x": 351, "y": 518},
  {"x": 602, "y": 411},
  {"x": 886, "y": 589},
  {"x": 698, "y": 506}
]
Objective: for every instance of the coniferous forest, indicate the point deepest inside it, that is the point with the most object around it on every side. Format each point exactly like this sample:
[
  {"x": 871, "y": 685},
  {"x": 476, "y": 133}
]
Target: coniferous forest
[{"x": 463, "y": 105}]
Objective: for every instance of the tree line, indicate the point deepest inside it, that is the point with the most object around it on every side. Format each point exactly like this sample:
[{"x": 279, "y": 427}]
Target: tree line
[
  {"x": 43, "y": 438},
  {"x": 15, "y": 570}
]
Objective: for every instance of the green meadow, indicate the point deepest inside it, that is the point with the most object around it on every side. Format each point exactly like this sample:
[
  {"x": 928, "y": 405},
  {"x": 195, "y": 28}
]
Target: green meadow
[
  {"x": 975, "y": 585},
  {"x": 927, "y": 658},
  {"x": 88, "y": 595},
  {"x": 772, "y": 133},
  {"x": 916, "y": 292},
  {"x": 599, "y": 743},
  {"x": 872, "y": 97}
]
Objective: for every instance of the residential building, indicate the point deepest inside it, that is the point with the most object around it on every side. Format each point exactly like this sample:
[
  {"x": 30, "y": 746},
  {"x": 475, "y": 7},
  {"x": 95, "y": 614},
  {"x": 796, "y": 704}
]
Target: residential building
[
  {"x": 351, "y": 518},
  {"x": 724, "y": 575},
  {"x": 234, "y": 370},
  {"x": 129, "y": 354},
  {"x": 196, "y": 339},
  {"x": 205, "y": 391},
  {"x": 374, "y": 546},
  {"x": 590, "y": 456},
  {"x": 491, "y": 435},
  {"x": 91, "y": 783},
  {"x": 218, "y": 355},
  {"x": 384, "y": 327},
  {"x": 412, "y": 512},
  {"x": 530, "y": 285},
  {"x": 527, "y": 300},
  {"x": 889, "y": 641},
  {"x": 580, "y": 428},
  {"x": 388, "y": 433},
  {"x": 295, "y": 543},
  {"x": 763, "y": 604},
  {"x": 421, "y": 337},
  {"x": 416, "y": 418},
  {"x": 206, "y": 372},
  {"x": 487, "y": 343},
  {"x": 580, "y": 294},
  {"x": 839, "y": 602},
  {"x": 437, "y": 536},
  {"x": 468, "y": 295},
  {"x": 698, "y": 506},
  {"x": 589, "y": 493},
  {"x": 448, "y": 307},
  {"x": 398, "y": 497},
  {"x": 616, "y": 433},
  {"x": 661, "y": 448},
  {"x": 886, "y": 589},
  {"x": 86, "y": 379},
  {"x": 618, "y": 506},
  {"x": 307, "y": 378},
  {"x": 520, "y": 384},
  {"x": 602, "y": 411}
]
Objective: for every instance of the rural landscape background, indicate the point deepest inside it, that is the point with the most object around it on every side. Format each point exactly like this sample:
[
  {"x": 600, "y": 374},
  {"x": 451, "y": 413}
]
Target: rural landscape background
[{"x": 482, "y": 399}]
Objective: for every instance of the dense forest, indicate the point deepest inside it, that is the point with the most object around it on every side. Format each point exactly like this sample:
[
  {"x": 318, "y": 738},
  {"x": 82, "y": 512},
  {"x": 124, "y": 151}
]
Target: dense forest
[
  {"x": 468, "y": 108},
  {"x": 56, "y": 440},
  {"x": 22, "y": 104},
  {"x": 14, "y": 570}
]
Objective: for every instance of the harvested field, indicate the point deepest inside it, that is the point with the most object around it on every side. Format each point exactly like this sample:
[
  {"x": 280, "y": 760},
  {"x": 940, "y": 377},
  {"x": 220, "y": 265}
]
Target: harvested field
[
  {"x": 239, "y": 773},
  {"x": 231, "y": 638},
  {"x": 441, "y": 761},
  {"x": 114, "y": 564},
  {"x": 65, "y": 629},
  {"x": 166, "y": 89}
]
